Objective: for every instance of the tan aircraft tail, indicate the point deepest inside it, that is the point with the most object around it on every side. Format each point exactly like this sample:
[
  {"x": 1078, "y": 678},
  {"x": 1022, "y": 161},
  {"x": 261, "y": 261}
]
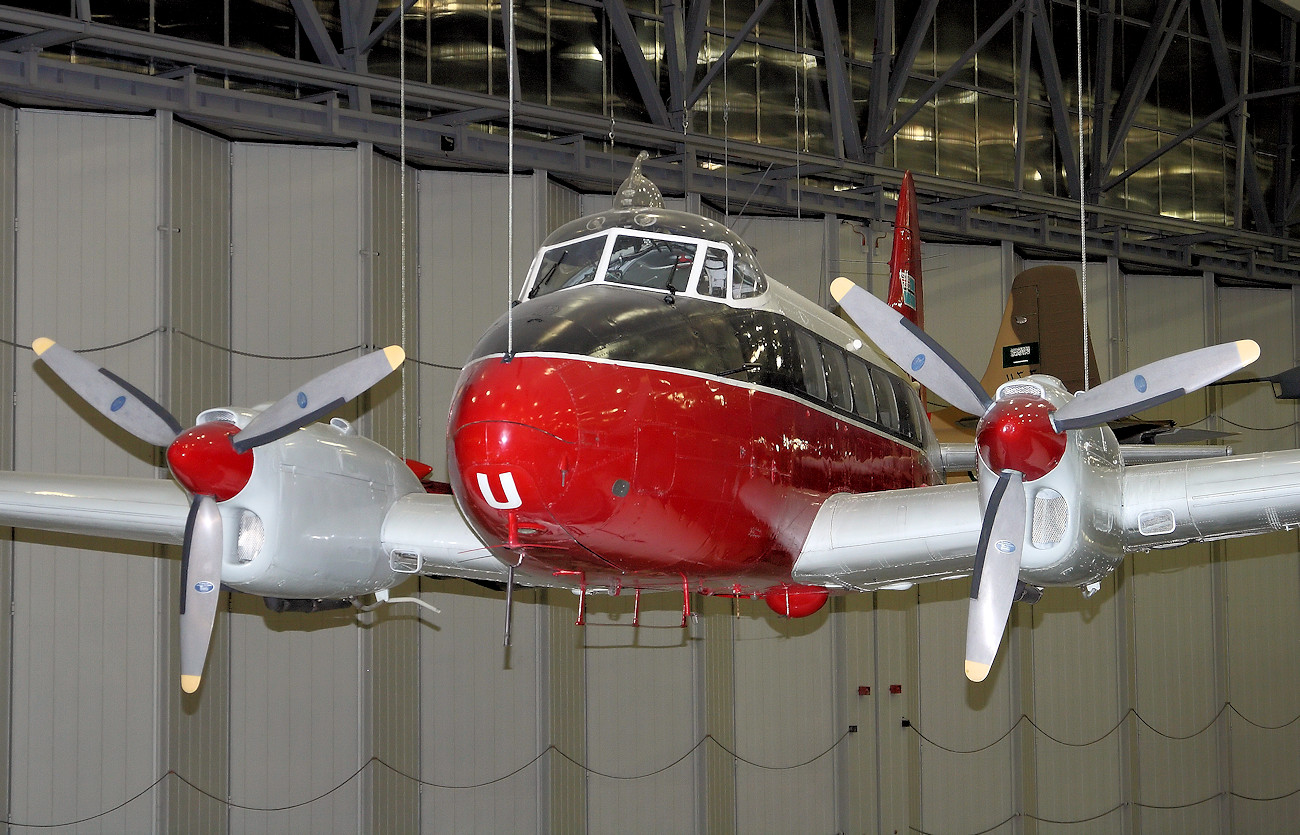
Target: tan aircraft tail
[{"x": 1041, "y": 331}]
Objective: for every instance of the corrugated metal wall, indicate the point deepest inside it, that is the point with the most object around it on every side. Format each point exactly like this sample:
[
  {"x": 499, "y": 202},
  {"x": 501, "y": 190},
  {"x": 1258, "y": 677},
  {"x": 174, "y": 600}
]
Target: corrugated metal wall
[{"x": 1163, "y": 703}]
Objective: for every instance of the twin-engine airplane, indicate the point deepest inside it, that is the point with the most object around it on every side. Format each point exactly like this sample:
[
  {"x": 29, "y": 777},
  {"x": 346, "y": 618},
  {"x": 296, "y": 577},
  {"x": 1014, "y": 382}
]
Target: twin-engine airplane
[{"x": 658, "y": 414}]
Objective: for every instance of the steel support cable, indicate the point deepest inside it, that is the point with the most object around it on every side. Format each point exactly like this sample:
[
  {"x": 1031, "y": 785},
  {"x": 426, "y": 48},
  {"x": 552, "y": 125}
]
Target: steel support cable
[
  {"x": 379, "y": 762},
  {"x": 235, "y": 351},
  {"x": 1025, "y": 718}
]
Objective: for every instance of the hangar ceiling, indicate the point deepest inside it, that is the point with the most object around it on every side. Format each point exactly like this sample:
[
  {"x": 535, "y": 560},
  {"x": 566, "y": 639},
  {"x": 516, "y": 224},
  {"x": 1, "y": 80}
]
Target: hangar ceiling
[{"x": 784, "y": 106}]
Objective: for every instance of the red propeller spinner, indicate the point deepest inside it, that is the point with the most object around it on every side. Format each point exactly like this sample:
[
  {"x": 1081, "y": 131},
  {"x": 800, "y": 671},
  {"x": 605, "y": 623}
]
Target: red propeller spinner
[
  {"x": 1016, "y": 433},
  {"x": 205, "y": 462}
]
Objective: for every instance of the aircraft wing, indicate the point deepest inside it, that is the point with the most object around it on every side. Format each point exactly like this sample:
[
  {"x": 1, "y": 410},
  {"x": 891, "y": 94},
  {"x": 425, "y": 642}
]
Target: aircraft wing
[
  {"x": 152, "y": 510},
  {"x": 430, "y": 526},
  {"x": 1170, "y": 504},
  {"x": 872, "y": 540}
]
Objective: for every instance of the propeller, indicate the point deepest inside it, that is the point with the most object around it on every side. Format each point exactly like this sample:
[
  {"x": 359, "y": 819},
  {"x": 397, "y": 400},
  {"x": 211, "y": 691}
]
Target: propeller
[
  {"x": 213, "y": 461},
  {"x": 1021, "y": 438}
]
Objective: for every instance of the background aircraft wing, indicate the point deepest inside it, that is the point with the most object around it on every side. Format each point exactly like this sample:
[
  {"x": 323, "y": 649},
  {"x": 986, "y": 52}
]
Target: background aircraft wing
[
  {"x": 869, "y": 540},
  {"x": 430, "y": 526},
  {"x": 151, "y": 510}
]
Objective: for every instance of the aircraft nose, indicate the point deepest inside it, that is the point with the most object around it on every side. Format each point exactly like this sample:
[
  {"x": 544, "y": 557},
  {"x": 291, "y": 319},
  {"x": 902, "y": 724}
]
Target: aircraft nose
[{"x": 513, "y": 445}]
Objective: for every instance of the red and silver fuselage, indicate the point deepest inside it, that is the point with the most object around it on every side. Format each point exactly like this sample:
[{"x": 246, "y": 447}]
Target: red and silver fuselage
[{"x": 645, "y": 428}]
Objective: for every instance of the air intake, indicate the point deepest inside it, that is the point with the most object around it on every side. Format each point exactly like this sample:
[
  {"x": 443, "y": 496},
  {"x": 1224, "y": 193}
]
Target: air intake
[{"x": 1019, "y": 387}]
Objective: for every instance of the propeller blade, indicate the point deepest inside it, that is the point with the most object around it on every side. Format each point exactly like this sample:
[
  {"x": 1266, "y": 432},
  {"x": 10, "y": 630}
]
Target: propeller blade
[
  {"x": 110, "y": 395},
  {"x": 997, "y": 570},
  {"x": 911, "y": 348},
  {"x": 200, "y": 587},
  {"x": 1155, "y": 383},
  {"x": 319, "y": 397}
]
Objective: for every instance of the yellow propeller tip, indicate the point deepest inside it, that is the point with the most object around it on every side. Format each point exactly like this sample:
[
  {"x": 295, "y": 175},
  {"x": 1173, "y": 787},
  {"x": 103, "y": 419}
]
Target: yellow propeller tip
[
  {"x": 840, "y": 288},
  {"x": 395, "y": 355},
  {"x": 190, "y": 683},
  {"x": 42, "y": 344},
  {"x": 975, "y": 671},
  {"x": 1248, "y": 350}
]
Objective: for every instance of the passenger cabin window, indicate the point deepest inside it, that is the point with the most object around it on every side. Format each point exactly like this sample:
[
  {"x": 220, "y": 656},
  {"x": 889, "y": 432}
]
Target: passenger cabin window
[
  {"x": 813, "y": 374},
  {"x": 886, "y": 405},
  {"x": 568, "y": 265},
  {"x": 864, "y": 396},
  {"x": 837, "y": 377}
]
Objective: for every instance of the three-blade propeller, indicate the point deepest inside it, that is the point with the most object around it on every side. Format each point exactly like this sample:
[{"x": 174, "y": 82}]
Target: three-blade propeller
[
  {"x": 212, "y": 461},
  {"x": 1021, "y": 438}
]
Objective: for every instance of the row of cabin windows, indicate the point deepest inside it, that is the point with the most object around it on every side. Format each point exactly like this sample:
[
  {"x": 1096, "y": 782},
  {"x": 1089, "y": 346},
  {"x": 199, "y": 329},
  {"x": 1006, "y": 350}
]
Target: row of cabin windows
[{"x": 847, "y": 382}]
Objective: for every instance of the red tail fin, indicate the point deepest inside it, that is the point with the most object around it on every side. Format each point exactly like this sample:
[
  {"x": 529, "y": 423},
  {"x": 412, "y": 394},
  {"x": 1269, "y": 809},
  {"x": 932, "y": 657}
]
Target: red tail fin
[{"x": 905, "y": 261}]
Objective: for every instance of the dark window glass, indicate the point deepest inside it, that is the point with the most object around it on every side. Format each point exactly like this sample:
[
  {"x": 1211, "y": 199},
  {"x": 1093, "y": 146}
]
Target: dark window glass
[
  {"x": 886, "y": 405},
  {"x": 837, "y": 377},
  {"x": 864, "y": 397},
  {"x": 810, "y": 364}
]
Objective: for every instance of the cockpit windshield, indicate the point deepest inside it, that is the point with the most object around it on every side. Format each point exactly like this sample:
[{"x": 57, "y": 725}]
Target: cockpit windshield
[
  {"x": 568, "y": 265},
  {"x": 650, "y": 260}
]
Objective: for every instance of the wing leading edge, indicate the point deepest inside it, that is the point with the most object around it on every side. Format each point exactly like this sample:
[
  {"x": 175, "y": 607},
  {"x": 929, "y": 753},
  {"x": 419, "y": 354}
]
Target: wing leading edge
[{"x": 151, "y": 510}]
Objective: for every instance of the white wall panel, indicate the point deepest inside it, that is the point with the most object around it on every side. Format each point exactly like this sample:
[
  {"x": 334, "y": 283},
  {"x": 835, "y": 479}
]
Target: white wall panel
[
  {"x": 785, "y": 714},
  {"x": 482, "y": 708},
  {"x": 791, "y": 251},
  {"x": 960, "y": 790},
  {"x": 463, "y": 281},
  {"x": 1175, "y": 650},
  {"x": 479, "y": 712},
  {"x": 1262, "y": 591},
  {"x": 87, "y": 626},
  {"x": 295, "y": 701},
  {"x": 965, "y": 293},
  {"x": 394, "y": 683},
  {"x": 8, "y": 178},
  {"x": 197, "y": 255},
  {"x": 634, "y": 674}
]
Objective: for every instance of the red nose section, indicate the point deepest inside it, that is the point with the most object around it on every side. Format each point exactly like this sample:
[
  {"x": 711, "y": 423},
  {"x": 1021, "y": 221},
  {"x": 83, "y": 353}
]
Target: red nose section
[
  {"x": 206, "y": 463},
  {"x": 1017, "y": 434},
  {"x": 511, "y": 452}
]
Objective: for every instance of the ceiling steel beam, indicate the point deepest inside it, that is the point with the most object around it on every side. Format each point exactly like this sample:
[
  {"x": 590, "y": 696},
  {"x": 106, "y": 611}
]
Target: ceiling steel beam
[
  {"x": 950, "y": 73},
  {"x": 878, "y": 94},
  {"x": 394, "y": 17},
  {"x": 646, "y": 83},
  {"x": 1107, "y": 27},
  {"x": 32, "y": 78},
  {"x": 844, "y": 119},
  {"x": 1056, "y": 97},
  {"x": 675, "y": 60},
  {"x": 902, "y": 67},
  {"x": 317, "y": 35},
  {"x": 1228, "y": 86},
  {"x": 1025, "y": 67},
  {"x": 696, "y": 22},
  {"x": 1285, "y": 170},
  {"x": 736, "y": 40},
  {"x": 43, "y": 40},
  {"x": 1143, "y": 73}
]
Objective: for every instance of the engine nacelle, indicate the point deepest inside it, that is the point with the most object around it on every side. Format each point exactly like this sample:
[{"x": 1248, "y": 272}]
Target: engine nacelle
[
  {"x": 307, "y": 525},
  {"x": 1074, "y": 533}
]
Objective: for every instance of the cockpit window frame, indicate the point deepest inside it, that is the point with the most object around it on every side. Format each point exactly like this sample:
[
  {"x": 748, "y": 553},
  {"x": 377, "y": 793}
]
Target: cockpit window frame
[{"x": 611, "y": 235}]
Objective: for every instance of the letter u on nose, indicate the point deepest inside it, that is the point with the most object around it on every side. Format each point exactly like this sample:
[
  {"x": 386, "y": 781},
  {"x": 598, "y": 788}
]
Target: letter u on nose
[{"x": 511, "y": 498}]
